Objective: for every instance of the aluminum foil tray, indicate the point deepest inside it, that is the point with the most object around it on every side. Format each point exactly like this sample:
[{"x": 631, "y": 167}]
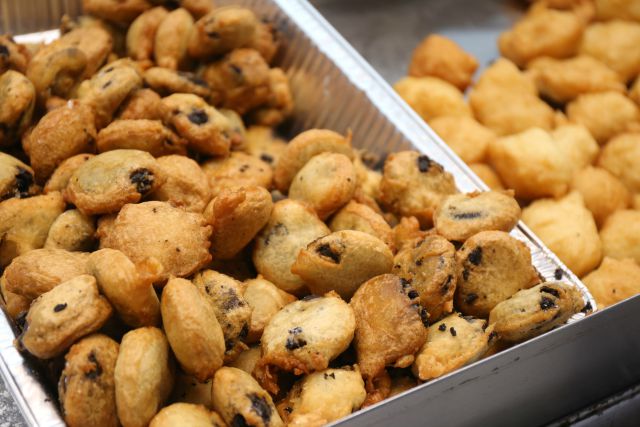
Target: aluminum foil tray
[{"x": 335, "y": 88}]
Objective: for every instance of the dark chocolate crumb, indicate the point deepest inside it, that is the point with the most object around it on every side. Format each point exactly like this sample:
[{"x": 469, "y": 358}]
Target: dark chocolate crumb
[
  {"x": 331, "y": 375},
  {"x": 467, "y": 215},
  {"x": 442, "y": 327},
  {"x": 424, "y": 162},
  {"x": 143, "y": 179},
  {"x": 453, "y": 331},
  {"x": 548, "y": 290},
  {"x": 97, "y": 371},
  {"x": 475, "y": 257},
  {"x": 198, "y": 116},
  {"x": 546, "y": 303},
  {"x": 326, "y": 251},
  {"x": 558, "y": 274},
  {"x": 239, "y": 421},
  {"x": 59, "y": 307},
  {"x": 413, "y": 294},
  {"x": 260, "y": 406},
  {"x": 266, "y": 158},
  {"x": 470, "y": 298}
]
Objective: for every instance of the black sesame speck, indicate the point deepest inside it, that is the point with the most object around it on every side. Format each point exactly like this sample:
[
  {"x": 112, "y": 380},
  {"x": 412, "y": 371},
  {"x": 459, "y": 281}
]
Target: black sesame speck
[
  {"x": 424, "y": 163},
  {"x": 442, "y": 327},
  {"x": 59, "y": 307},
  {"x": 453, "y": 331}
]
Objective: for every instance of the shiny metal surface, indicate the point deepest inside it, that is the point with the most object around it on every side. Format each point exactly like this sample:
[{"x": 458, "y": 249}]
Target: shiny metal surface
[{"x": 335, "y": 88}]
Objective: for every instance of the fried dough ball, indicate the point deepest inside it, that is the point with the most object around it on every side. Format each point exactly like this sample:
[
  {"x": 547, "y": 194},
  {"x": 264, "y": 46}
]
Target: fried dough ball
[
  {"x": 359, "y": 217},
  {"x": 260, "y": 142},
  {"x": 72, "y": 231},
  {"x": 488, "y": 175},
  {"x": 25, "y": 224},
  {"x": 40, "y": 270},
  {"x": 441, "y": 57},
  {"x": 187, "y": 414},
  {"x": 342, "y": 261},
  {"x": 60, "y": 134},
  {"x": 176, "y": 238},
  {"x": 505, "y": 100},
  {"x": 279, "y": 104},
  {"x": 429, "y": 265},
  {"x": 116, "y": 10},
  {"x": 291, "y": 227},
  {"x": 15, "y": 305},
  {"x": 577, "y": 144},
  {"x": 14, "y": 57},
  {"x": 621, "y": 157},
  {"x": 532, "y": 312},
  {"x": 186, "y": 185},
  {"x": 237, "y": 170},
  {"x": 16, "y": 178},
  {"x": 192, "y": 329},
  {"x": 621, "y": 235},
  {"x": 323, "y": 397},
  {"x": 466, "y": 137},
  {"x": 207, "y": 130},
  {"x": 532, "y": 164},
  {"x": 432, "y": 97},
  {"x": 59, "y": 317},
  {"x": 614, "y": 43},
  {"x": 605, "y": 114},
  {"x": 326, "y": 183},
  {"x": 567, "y": 227},
  {"x": 172, "y": 37},
  {"x": 143, "y": 376},
  {"x": 414, "y": 185},
  {"x": 602, "y": 192},
  {"x": 17, "y": 101},
  {"x": 144, "y": 135},
  {"x": 86, "y": 388},
  {"x": 304, "y": 337},
  {"x": 617, "y": 9},
  {"x": 226, "y": 296},
  {"x": 222, "y": 30},
  {"x": 236, "y": 216},
  {"x": 453, "y": 342},
  {"x": 265, "y": 40},
  {"x": 565, "y": 80},
  {"x": 389, "y": 327},
  {"x": 302, "y": 148},
  {"x": 615, "y": 280},
  {"x": 492, "y": 267},
  {"x": 239, "y": 81},
  {"x": 127, "y": 286},
  {"x": 240, "y": 400},
  {"x": 265, "y": 299},
  {"x": 108, "y": 181},
  {"x": 142, "y": 33},
  {"x": 542, "y": 32},
  {"x": 462, "y": 215},
  {"x": 143, "y": 104},
  {"x": 59, "y": 179}
]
